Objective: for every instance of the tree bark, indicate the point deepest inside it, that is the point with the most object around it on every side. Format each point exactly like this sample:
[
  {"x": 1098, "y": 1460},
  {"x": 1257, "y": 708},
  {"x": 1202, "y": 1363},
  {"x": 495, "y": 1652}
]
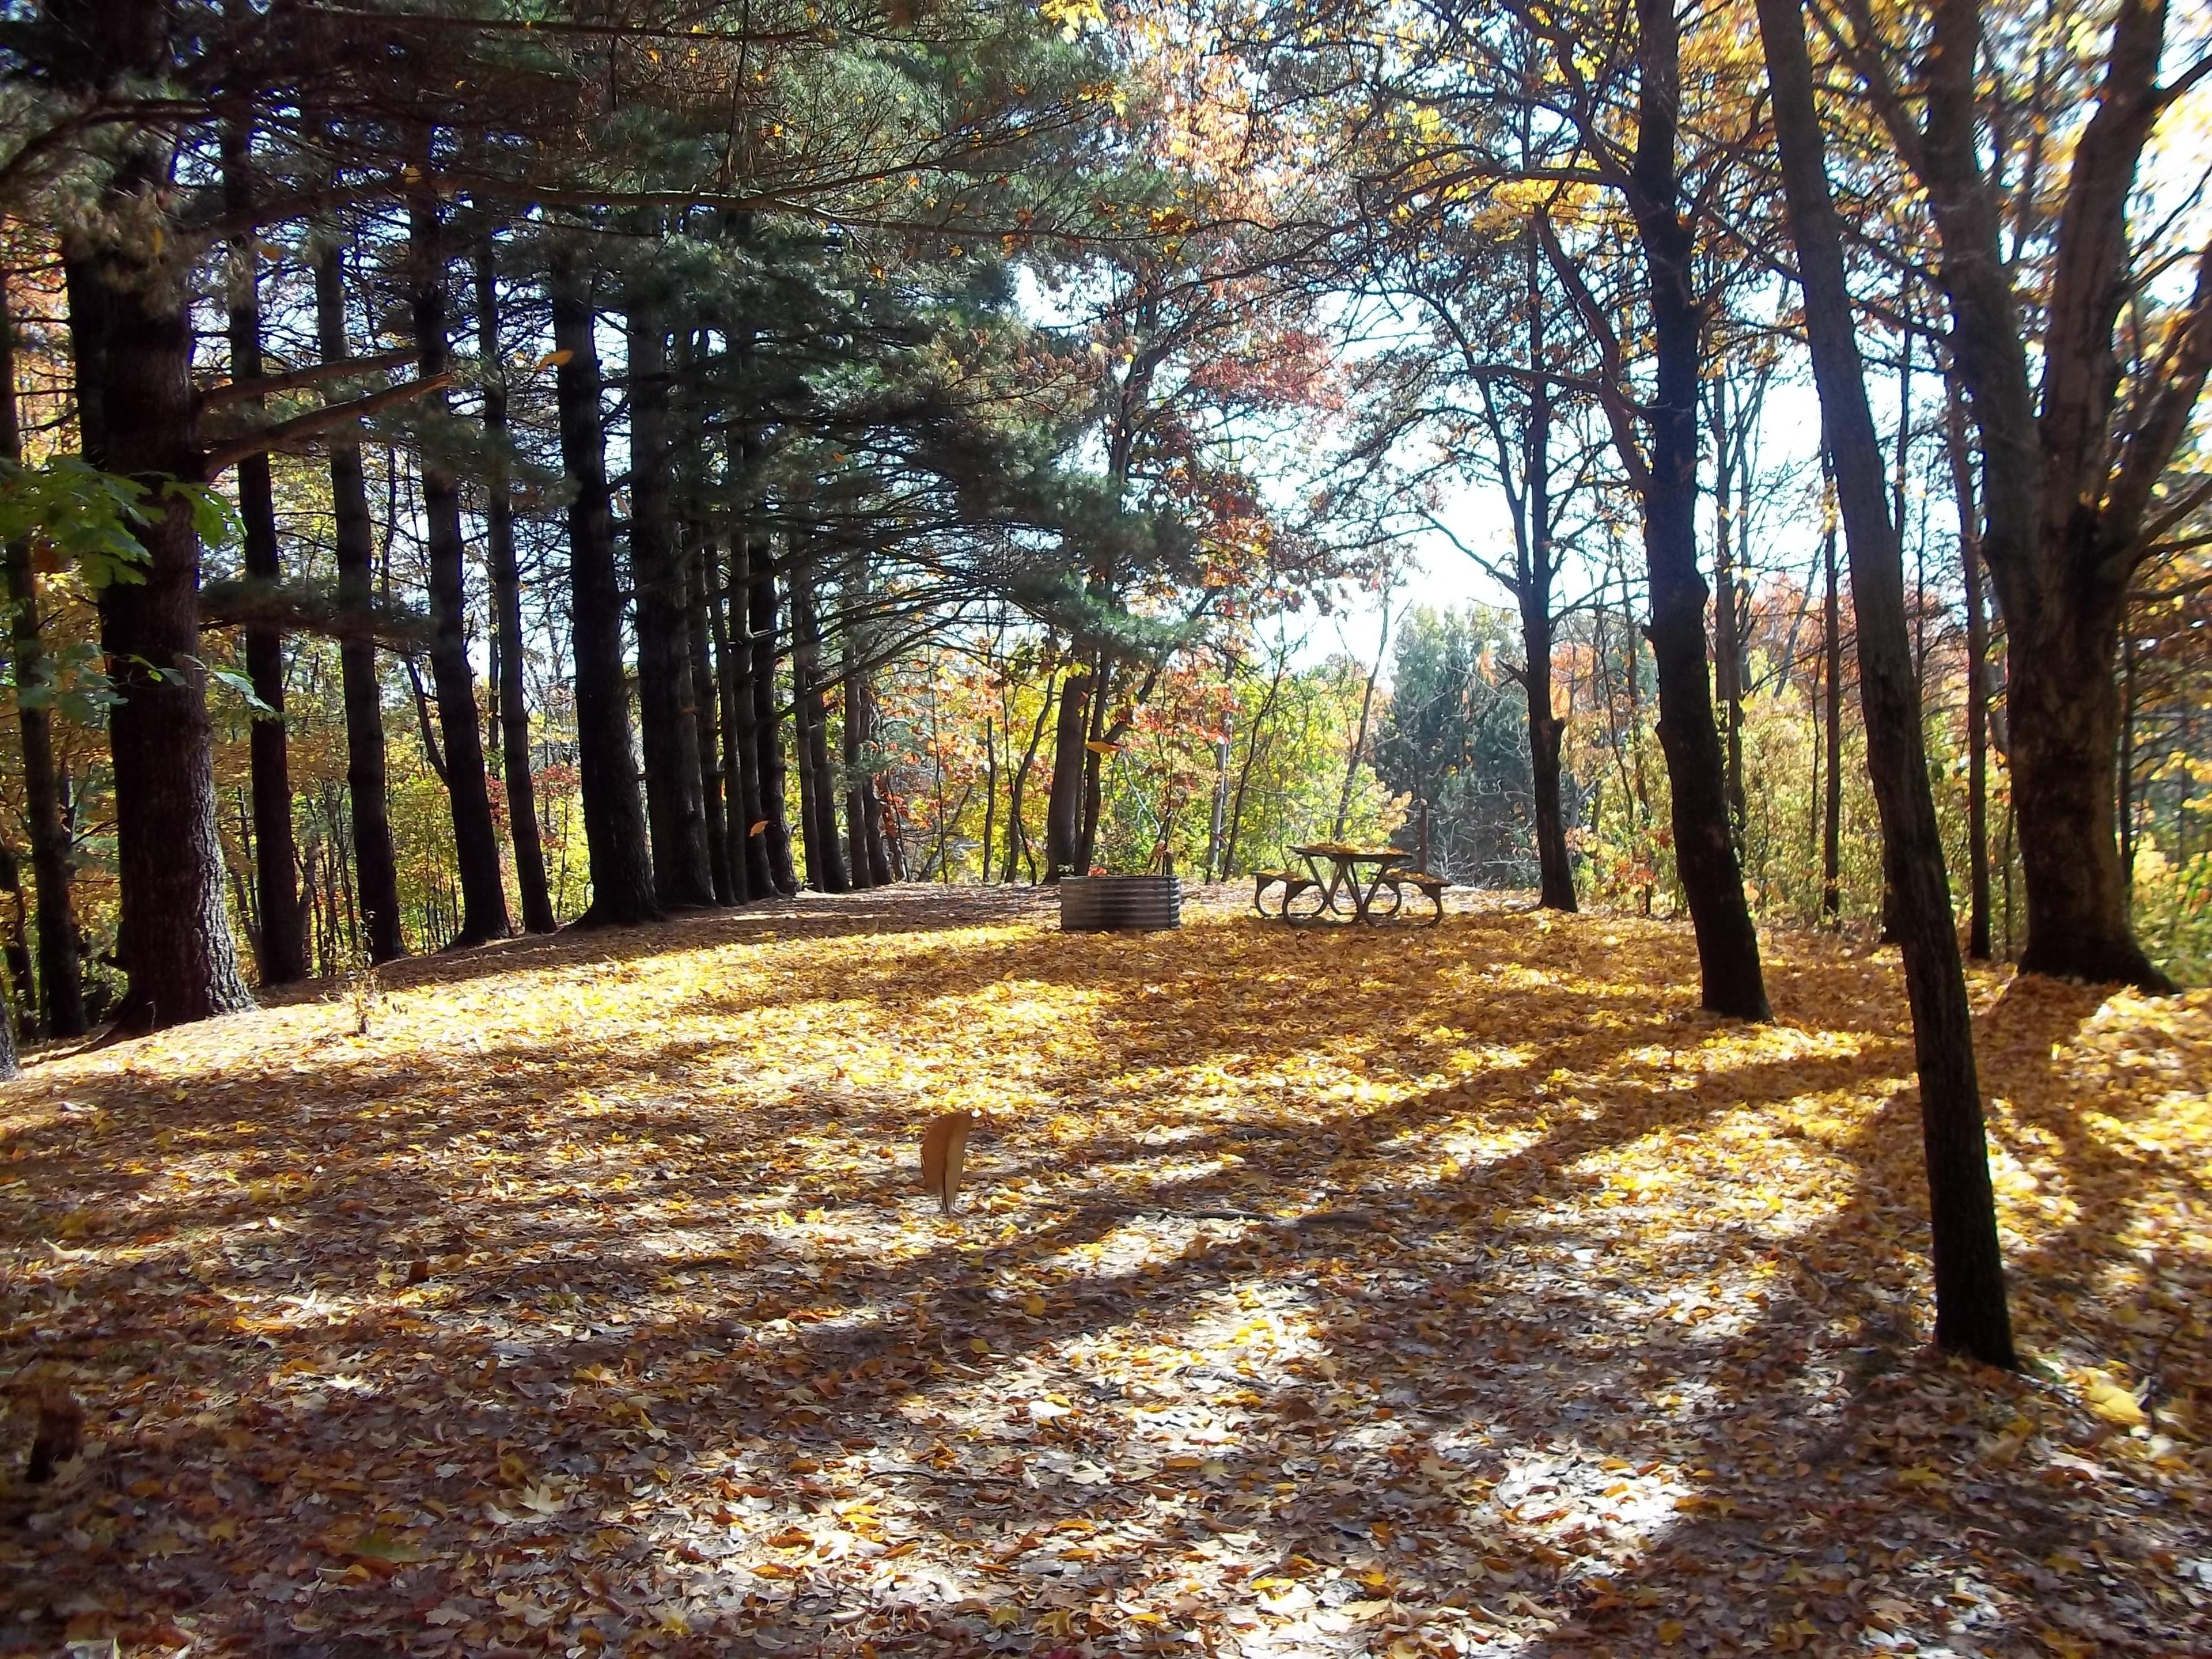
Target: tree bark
[
  {"x": 768, "y": 719},
  {"x": 281, "y": 943},
  {"x": 1978, "y": 677},
  {"x": 614, "y": 816},
  {"x": 698, "y": 604},
  {"x": 825, "y": 854},
  {"x": 132, "y": 335},
  {"x": 1832, "y": 829},
  {"x": 1663, "y": 470},
  {"x": 514, "y": 711},
  {"x": 733, "y": 661},
  {"x": 1063, "y": 818},
  {"x": 1971, "y": 1312},
  {"x": 1704, "y": 853},
  {"x": 859, "y": 805},
  {"x": 377, "y": 867},
  {"x": 476, "y": 843},
  {"x": 683, "y": 876},
  {"x": 61, "y": 982},
  {"x": 2065, "y": 495}
]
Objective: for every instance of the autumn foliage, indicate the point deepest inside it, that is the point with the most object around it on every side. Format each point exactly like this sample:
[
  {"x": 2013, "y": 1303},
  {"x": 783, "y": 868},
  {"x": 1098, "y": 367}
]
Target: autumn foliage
[{"x": 1383, "y": 1291}]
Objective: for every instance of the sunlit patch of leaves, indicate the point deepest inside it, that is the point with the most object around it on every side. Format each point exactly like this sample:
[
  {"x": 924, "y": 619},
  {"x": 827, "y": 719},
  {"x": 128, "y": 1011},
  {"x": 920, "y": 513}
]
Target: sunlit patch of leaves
[{"x": 1325, "y": 1290}]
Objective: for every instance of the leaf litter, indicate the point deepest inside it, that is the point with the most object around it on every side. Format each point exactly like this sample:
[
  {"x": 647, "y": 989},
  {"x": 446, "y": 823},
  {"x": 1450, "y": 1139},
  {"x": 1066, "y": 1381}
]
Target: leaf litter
[{"x": 1313, "y": 1291}]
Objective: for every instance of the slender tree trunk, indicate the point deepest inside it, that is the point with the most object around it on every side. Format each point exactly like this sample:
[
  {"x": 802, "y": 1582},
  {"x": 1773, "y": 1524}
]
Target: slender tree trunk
[
  {"x": 514, "y": 711},
  {"x": 61, "y": 985},
  {"x": 1727, "y": 641},
  {"x": 682, "y": 873},
  {"x": 1094, "y": 769},
  {"x": 1017, "y": 833},
  {"x": 475, "y": 843},
  {"x": 818, "y": 784},
  {"x": 139, "y": 417},
  {"x": 281, "y": 944},
  {"x": 1704, "y": 853},
  {"x": 699, "y": 628},
  {"x": 733, "y": 666},
  {"x": 1832, "y": 833},
  {"x": 1978, "y": 677},
  {"x": 614, "y": 816},
  {"x": 1366, "y": 709},
  {"x": 768, "y": 718},
  {"x": 374, "y": 858},
  {"x": 858, "y": 809},
  {"x": 1971, "y": 1312}
]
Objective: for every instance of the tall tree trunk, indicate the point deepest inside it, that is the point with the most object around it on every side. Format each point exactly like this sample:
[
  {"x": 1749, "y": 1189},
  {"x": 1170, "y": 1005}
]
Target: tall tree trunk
[
  {"x": 513, "y": 712},
  {"x": 825, "y": 855},
  {"x": 476, "y": 843},
  {"x": 280, "y": 946},
  {"x": 1555, "y": 872},
  {"x": 132, "y": 334},
  {"x": 1094, "y": 767},
  {"x": 683, "y": 876},
  {"x": 1971, "y": 1312},
  {"x": 768, "y": 719},
  {"x": 698, "y": 607},
  {"x": 614, "y": 816},
  {"x": 1704, "y": 853},
  {"x": 1727, "y": 641},
  {"x": 61, "y": 984},
  {"x": 362, "y": 690},
  {"x": 1832, "y": 831},
  {"x": 1063, "y": 818},
  {"x": 859, "y": 807},
  {"x": 733, "y": 667},
  {"x": 1978, "y": 677}
]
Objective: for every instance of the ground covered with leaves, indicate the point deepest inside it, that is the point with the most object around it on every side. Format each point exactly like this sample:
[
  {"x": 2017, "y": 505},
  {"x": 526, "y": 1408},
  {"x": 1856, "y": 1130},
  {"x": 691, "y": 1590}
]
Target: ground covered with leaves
[{"x": 1317, "y": 1292}]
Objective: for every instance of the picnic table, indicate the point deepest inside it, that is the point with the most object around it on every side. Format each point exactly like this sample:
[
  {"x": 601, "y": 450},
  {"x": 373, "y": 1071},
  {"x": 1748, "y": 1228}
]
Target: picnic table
[{"x": 1360, "y": 884}]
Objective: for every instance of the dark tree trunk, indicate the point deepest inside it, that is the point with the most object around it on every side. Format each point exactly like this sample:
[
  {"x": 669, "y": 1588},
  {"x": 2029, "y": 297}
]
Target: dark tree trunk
[
  {"x": 1971, "y": 1312},
  {"x": 1977, "y": 679},
  {"x": 1094, "y": 769},
  {"x": 281, "y": 944},
  {"x": 139, "y": 417},
  {"x": 614, "y": 816},
  {"x": 1063, "y": 817},
  {"x": 476, "y": 843},
  {"x": 1704, "y": 853},
  {"x": 734, "y": 663},
  {"x": 61, "y": 984},
  {"x": 1664, "y": 470},
  {"x": 682, "y": 877},
  {"x": 1832, "y": 830},
  {"x": 2070, "y": 468},
  {"x": 699, "y": 630},
  {"x": 817, "y": 778},
  {"x": 373, "y": 859},
  {"x": 768, "y": 718},
  {"x": 514, "y": 711},
  {"x": 1555, "y": 870},
  {"x": 1727, "y": 638},
  {"x": 859, "y": 807},
  {"x": 1017, "y": 834}
]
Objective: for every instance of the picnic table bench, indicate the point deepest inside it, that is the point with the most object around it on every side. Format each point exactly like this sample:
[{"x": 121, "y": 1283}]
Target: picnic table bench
[{"x": 1332, "y": 884}]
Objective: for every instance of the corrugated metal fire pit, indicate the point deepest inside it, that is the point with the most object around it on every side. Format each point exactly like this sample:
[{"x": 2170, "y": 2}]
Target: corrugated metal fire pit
[{"x": 1117, "y": 905}]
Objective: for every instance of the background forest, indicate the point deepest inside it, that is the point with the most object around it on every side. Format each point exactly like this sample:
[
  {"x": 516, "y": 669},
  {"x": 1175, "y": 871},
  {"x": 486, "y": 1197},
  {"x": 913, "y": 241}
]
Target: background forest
[{"x": 581, "y": 466}]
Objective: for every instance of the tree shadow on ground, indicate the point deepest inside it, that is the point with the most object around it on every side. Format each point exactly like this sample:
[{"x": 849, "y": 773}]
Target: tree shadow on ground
[{"x": 660, "y": 1323}]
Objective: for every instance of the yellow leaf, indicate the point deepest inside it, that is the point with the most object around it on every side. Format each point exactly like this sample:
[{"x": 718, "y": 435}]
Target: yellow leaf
[
  {"x": 1670, "y": 1631},
  {"x": 1033, "y": 1305}
]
